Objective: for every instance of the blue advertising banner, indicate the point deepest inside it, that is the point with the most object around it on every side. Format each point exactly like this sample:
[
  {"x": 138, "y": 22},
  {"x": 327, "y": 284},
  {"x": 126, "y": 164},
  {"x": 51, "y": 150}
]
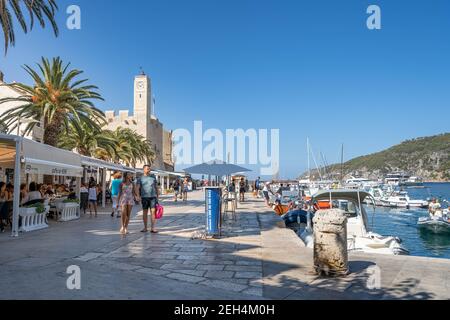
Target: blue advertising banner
[{"x": 212, "y": 202}]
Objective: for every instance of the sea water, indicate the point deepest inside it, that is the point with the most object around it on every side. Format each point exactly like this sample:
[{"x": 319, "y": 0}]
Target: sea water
[{"x": 402, "y": 223}]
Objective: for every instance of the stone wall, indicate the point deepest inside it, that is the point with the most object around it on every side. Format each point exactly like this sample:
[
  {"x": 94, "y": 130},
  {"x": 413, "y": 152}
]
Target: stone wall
[{"x": 7, "y": 92}]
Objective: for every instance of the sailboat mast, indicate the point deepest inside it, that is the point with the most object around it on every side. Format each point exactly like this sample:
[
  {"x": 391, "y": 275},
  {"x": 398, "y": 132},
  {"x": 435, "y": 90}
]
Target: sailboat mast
[
  {"x": 309, "y": 164},
  {"x": 342, "y": 163}
]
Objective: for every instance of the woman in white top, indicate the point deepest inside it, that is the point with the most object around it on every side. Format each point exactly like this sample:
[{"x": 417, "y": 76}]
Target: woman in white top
[
  {"x": 93, "y": 198},
  {"x": 266, "y": 191},
  {"x": 34, "y": 193}
]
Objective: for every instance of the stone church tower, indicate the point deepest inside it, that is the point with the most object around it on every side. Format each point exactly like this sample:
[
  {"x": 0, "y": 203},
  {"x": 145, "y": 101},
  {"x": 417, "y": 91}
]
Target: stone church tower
[
  {"x": 143, "y": 106},
  {"x": 145, "y": 122}
]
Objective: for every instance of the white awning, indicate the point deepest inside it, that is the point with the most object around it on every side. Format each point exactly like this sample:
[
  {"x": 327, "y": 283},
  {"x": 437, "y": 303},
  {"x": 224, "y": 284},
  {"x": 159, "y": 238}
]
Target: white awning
[
  {"x": 97, "y": 163},
  {"x": 35, "y": 166}
]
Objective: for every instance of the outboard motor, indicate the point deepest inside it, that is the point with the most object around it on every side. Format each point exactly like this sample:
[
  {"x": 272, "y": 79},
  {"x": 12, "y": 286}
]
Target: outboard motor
[{"x": 307, "y": 235}]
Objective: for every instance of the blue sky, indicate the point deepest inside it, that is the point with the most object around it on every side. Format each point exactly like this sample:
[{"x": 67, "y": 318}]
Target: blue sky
[{"x": 310, "y": 68}]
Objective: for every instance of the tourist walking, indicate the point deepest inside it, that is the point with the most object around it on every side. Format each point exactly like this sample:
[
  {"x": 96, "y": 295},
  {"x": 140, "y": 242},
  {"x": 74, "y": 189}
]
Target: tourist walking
[
  {"x": 257, "y": 186},
  {"x": 115, "y": 188},
  {"x": 93, "y": 192},
  {"x": 241, "y": 190},
  {"x": 176, "y": 189},
  {"x": 232, "y": 187},
  {"x": 266, "y": 191},
  {"x": 147, "y": 194},
  {"x": 84, "y": 197},
  {"x": 126, "y": 196},
  {"x": 185, "y": 188}
]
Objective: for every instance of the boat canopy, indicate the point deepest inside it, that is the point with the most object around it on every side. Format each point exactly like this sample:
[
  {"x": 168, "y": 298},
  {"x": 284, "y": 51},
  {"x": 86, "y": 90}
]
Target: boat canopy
[{"x": 341, "y": 194}]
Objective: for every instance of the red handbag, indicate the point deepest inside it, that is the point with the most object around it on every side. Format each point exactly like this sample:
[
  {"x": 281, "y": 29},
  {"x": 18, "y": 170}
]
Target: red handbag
[{"x": 159, "y": 211}]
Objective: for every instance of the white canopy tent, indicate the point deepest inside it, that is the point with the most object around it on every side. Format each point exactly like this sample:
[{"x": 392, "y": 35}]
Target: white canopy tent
[
  {"x": 27, "y": 156},
  {"x": 105, "y": 165},
  {"x": 24, "y": 156},
  {"x": 163, "y": 176}
]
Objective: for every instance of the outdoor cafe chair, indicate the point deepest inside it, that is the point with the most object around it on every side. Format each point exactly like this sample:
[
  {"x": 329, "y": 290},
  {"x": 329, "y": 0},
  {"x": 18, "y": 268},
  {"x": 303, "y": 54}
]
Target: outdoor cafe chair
[{"x": 229, "y": 203}]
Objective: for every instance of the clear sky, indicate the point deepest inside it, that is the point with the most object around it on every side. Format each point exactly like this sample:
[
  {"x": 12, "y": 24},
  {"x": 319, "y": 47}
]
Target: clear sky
[{"x": 310, "y": 68}]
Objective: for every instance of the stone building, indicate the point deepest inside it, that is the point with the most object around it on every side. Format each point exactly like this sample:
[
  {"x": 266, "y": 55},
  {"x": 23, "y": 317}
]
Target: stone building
[
  {"x": 144, "y": 121},
  {"x": 7, "y": 92}
]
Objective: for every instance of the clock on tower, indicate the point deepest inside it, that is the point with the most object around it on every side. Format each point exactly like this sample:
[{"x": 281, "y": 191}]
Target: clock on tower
[{"x": 140, "y": 85}]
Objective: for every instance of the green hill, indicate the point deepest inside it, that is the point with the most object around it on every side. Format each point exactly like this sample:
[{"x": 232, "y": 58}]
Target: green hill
[{"x": 427, "y": 157}]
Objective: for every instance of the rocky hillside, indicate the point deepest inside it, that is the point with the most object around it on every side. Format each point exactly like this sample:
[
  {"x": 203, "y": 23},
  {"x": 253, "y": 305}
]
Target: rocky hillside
[{"x": 427, "y": 157}]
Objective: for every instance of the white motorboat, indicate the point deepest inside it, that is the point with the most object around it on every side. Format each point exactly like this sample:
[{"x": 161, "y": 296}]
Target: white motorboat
[
  {"x": 402, "y": 200},
  {"x": 395, "y": 201},
  {"x": 395, "y": 178},
  {"x": 359, "y": 238},
  {"x": 417, "y": 203},
  {"x": 377, "y": 195},
  {"x": 413, "y": 182},
  {"x": 360, "y": 183},
  {"x": 437, "y": 223}
]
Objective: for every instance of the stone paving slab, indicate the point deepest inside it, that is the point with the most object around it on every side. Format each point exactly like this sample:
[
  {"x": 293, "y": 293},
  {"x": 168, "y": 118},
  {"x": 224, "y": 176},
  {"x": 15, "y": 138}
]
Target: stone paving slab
[
  {"x": 235, "y": 259},
  {"x": 257, "y": 257}
]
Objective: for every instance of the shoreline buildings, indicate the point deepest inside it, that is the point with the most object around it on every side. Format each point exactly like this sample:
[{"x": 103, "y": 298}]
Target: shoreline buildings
[
  {"x": 143, "y": 121},
  {"x": 38, "y": 132}
]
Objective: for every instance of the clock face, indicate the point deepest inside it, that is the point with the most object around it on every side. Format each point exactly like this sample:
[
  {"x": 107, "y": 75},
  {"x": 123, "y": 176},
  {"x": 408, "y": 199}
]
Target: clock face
[{"x": 140, "y": 85}]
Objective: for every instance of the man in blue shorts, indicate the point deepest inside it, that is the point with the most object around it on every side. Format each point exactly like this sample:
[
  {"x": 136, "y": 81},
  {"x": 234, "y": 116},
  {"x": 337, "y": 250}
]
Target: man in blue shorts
[{"x": 147, "y": 194}]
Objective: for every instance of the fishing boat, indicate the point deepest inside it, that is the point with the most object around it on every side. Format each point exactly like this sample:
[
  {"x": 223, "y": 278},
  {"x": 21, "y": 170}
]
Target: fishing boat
[
  {"x": 437, "y": 223},
  {"x": 359, "y": 238}
]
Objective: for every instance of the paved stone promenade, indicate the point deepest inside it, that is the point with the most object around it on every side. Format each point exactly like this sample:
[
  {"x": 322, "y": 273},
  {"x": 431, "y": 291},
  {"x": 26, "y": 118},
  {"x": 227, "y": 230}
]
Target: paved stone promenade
[{"x": 257, "y": 258}]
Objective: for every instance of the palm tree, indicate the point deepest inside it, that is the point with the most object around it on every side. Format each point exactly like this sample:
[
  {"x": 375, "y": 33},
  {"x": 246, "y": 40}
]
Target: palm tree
[
  {"x": 3, "y": 127},
  {"x": 88, "y": 141},
  {"x": 37, "y": 9},
  {"x": 132, "y": 147},
  {"x": 122, "y": 145},
  {"x": 56, "y": 99}
]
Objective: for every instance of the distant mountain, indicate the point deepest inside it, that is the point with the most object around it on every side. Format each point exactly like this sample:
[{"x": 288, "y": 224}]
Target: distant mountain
[{"x": 427, "y": 157}]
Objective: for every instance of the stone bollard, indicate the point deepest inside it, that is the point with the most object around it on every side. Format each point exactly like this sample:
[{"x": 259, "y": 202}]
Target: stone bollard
[{"x": 330, "y": 242}]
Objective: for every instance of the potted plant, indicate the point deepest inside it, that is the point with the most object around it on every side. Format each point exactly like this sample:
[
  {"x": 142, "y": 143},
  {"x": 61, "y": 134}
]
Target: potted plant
[
  {"x": 39, "y": 207},
  {"x": 33, "y": 217}
]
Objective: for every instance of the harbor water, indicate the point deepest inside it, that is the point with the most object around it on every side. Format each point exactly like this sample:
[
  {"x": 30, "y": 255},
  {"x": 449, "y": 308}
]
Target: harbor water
[{"x": 403, "y": 223}]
